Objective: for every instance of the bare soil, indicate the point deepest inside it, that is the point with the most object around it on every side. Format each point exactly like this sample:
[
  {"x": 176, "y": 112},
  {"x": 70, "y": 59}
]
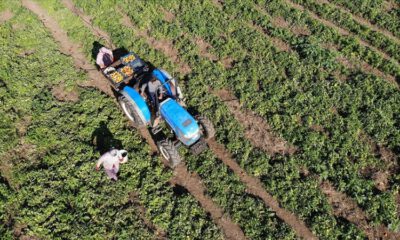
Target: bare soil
[
  {"x": 204, "y": 48},
  {"x": 22, "y": 125},
  {"x": 168, "y": 16},
  {"x": 165, "y": 46},
  {"x": 193, "y": 184},
  {"x": 300, "y": 30},
  {"x": 67, "y": 47},
  {"x": 218, "y": 3},
  {"x": 5, "y": 16},
  {"x": 88, "y": 22},
  {"x": 227, "y": 62},
  {"x": 362, "y": 21},
  {"x": 276, "y": 21},
  {"x": 257, "y": 131},
  {"x": 337, "y": 28},
  {"x": 255, "y": 188},
  {"x": 346, "y": 208},
  {"x": 390, "y": 5},
  {"x": 63, "y": 95}
]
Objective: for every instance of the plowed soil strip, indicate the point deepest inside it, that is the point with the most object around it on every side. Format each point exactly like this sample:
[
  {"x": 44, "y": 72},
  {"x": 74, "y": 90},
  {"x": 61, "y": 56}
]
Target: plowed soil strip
[
  {"x": 346, "y": 208},
  {"x": 362, "y": 21},
  {"x": 257, "y": 131},
  {"x": 164, "y": 46},
  {"x": 337, "y": 28},
  {"x": 255, "y": 187},
  {"x": 88, "y": 22},
  {"x": 194, "y": 185}
]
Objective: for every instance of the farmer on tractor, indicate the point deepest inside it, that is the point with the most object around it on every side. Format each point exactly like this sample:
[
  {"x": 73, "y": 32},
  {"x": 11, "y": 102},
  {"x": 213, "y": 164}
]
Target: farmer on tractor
[{"x": 156, "y": 93}]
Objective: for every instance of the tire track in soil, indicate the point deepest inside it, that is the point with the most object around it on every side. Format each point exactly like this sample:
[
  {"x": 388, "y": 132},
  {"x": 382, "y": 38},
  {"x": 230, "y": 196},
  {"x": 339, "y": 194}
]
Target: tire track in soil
[
  {"x": 257, "y": 130},
  {"x": 362, "y": 21},
  {"x": 189, "y": 181},
  {"x": 87, "y": 21},
  {"x": 163, "y": 46},
  {"x": 192, "y": 182},
  {"x": 343, "y": 206},
  {"x": 256, "y": 188},
  {"x": 337, "y": 28}
]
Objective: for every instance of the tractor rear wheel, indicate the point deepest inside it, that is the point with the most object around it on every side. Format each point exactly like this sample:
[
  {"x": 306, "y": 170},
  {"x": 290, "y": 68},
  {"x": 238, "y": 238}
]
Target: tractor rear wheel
[
  {"x": 169, "y": 152},
  {"x": 206, "y": 127},
  {"x": 130, "y": 111}
]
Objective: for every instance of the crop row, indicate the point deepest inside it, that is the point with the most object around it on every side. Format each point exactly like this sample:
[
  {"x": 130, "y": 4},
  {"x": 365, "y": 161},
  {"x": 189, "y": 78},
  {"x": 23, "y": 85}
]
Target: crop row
[
  {"x": 372, "y": 10},
  {"x": 342, "y": 19},
  {"x": 59, "y": 195},
  {"x": 310, "y": 113},
  {"x": 187, "y": 47}
]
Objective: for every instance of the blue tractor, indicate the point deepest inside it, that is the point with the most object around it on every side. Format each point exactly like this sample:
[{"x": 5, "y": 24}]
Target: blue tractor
[{"x": 187, "y": 130}]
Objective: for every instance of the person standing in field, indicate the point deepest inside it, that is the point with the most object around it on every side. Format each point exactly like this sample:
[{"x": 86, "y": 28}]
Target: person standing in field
[
  {"x": 111, "y": 160},
  {"x": 104, "y": 58}
]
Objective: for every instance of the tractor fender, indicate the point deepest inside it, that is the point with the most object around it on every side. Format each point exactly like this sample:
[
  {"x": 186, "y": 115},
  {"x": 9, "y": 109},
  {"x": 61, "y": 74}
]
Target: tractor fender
[{"x": 138, "y": 103}]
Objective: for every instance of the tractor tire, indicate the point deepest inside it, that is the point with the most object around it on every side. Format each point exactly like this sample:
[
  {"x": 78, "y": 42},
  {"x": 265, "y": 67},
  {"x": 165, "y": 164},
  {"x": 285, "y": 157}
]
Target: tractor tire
[
  {"x": 206, "y": 127},
  {"x": 169, "y": 152},
  {"x": 130, "y": 111}
]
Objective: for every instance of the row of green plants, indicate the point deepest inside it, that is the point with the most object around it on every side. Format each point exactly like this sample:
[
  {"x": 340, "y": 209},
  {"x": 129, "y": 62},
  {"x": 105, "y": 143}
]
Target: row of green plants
[
  {"x": 141, "y": 18},
  {"x": 375, "y": 12},
  {"x": 374, "y": 98},
  {"x": 55, "y": 192},
  {"x": 340, "y": 123},
  {"x": 227, "y": 190},
  {"x": 344, "y": 20},
  {"x": 348, "y": 45}
]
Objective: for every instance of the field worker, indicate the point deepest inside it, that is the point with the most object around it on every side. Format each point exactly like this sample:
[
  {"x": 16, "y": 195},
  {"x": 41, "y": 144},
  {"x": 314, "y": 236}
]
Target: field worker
[
  {"x": 111, "y": 161},
  {"x": 152, "y": 87},
  {"x": 104, "y": 58}
]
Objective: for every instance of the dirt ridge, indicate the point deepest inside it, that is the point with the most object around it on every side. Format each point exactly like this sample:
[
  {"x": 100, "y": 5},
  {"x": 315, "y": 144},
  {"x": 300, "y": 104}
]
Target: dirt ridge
[
  {"x": 340, "y": 30},
  {"x": 164, "y": 46},
  {"x": 257, "y": 130},
  {"x": 6, "y": 15},
  {"x": 362, "y": 21},
  {"x": 193, "y": 184},
  {"x": 255, "y": 187},
  {"x": 347, "y": 208},
  {"x": 87, "y": 21}
]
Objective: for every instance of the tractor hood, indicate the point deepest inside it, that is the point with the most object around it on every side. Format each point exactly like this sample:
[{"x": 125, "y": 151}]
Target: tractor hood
[{"x": 182, "y": 123}]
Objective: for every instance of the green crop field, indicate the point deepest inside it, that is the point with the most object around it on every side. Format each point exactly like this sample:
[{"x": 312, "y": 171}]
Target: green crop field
[{"x": 303, "y": 94}]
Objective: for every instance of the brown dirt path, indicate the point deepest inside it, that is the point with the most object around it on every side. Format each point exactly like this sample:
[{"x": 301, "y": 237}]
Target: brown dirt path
[
  {"x": 337, "y": 28},
  {"x": 345, "y": 207},
  {"x": 193, "y": 184},
  {"x": 88, "y": 22},
  {"x": 257, "y": 131},
  {"x": 64, "y": 95},
  {"x": 164, "y": 46},
  {"x": 5, "y": 16},
  {"x": 362, "y": 21},
  {"x": 69, "y": 48},
  {"x": 256, "y": 188}
]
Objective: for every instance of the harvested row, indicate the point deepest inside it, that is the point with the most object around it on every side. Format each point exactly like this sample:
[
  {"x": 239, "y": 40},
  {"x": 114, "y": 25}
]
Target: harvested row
[{"x": 231, "y": 230}]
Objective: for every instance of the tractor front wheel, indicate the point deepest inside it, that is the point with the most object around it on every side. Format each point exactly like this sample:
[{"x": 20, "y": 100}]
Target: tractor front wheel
[
  {"x": 206, "y": 126},
  {"x": 169, "y": 151},
  {"x": 130, "y": 111}
]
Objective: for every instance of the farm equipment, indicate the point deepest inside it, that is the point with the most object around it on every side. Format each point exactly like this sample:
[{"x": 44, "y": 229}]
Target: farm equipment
[{"x": 130, "y": 72}]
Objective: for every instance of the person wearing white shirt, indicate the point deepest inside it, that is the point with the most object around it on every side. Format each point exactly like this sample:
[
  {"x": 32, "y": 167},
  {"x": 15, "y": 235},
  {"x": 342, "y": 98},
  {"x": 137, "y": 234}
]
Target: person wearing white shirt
[{"x": 111, "y": 160}]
